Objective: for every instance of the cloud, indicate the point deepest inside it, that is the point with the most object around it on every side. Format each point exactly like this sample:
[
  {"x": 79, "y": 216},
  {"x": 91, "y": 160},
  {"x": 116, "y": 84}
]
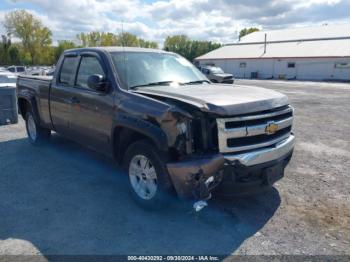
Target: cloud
[{"x": 215, "y": 20}]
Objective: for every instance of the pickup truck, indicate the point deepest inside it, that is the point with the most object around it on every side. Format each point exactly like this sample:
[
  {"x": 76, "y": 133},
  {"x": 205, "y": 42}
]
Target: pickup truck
[
  {"x": 173, "y": 131},
  {"x": 217, "y": 75}
]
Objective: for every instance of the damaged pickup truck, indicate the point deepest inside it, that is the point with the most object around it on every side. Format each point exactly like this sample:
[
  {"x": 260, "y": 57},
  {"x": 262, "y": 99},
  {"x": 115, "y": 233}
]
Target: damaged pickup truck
[{"x": 170, "y": 128}]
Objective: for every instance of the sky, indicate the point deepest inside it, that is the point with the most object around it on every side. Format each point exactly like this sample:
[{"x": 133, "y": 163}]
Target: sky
[{"x": 214, "y": 20}]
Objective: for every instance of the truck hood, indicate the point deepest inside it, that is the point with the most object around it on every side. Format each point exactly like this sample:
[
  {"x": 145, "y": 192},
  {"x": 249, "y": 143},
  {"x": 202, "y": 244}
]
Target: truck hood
[{"x": 220, "y": 99}]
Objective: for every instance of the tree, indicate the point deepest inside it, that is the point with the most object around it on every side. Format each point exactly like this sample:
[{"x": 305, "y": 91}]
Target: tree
[
  {"x": 178, "y": 44},
  {"x": 247, "y": 31},
  {"x": 188, "y": 48},
  {"x": 148, "y": 44},
  {"x": 109, "y": 39},
  {"x": 127, "y": 39},
  {"x": 33, "y": 34},
  {"x": 14, "y": 55},
  {"x": 42, "y": 49},
  {"x": 62, "y": 46},
  {"x": 4, "y": 49},
  {"x": 83, "y": 39},
  {"x": 35, "y": 46}
]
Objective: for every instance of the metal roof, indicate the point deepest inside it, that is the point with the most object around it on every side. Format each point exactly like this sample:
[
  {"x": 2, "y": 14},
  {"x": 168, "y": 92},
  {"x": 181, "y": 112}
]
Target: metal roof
[
  {"x": 293, "y": 34},
  {"x": 322, "y": 45}
]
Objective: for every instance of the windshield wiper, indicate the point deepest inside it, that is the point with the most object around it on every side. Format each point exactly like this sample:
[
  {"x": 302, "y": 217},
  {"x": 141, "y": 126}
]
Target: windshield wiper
[
  {"x": 196, "y": 82},
  {"x": 153, "y": 84}
]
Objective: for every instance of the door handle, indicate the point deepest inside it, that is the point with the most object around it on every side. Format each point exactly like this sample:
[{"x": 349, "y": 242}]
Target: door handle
[{"x": 74, "y": 100}]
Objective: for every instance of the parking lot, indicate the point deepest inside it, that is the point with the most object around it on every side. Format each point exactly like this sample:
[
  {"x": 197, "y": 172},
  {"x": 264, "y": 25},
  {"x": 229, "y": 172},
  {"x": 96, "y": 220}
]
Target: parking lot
[{"x": 63, "y": 199}]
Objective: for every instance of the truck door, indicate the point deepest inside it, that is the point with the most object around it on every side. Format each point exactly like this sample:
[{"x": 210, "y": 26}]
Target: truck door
[
  {"x": 92, "y": 110},
  {"x": 61, "y": 94}
]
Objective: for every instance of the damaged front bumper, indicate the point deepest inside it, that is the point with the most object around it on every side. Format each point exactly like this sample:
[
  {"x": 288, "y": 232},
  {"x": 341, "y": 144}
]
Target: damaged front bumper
[
  {"x": 189, "y": 176},
  {"x": 231, "y": 173}
]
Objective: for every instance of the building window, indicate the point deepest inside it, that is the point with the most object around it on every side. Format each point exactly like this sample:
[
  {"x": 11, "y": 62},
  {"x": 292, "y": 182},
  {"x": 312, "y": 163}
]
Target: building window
[
  {"x": 243, "y": 65},
  {"x": 342, "y": 65},
  {"x": 291, "y": 65}
]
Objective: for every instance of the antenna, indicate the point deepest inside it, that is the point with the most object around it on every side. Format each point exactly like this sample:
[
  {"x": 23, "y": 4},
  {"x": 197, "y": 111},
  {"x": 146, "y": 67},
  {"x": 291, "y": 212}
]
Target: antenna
[
  {"x": 124, "y": 57},
  {"x": 122, "y": 33}
]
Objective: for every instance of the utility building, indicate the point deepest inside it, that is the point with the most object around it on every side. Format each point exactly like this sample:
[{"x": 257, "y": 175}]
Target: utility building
[{"x": 311, "y": 53}]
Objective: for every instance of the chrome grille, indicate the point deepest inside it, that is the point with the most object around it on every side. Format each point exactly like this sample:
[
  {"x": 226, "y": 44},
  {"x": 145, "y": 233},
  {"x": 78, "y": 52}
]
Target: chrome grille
[{"x": 251, "y": 131}]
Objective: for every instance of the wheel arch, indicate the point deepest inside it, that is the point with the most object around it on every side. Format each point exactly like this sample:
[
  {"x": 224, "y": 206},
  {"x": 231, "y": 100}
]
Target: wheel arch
[
  {"x": 24, "y": 103},
  {"x": 130, "y": 130}
]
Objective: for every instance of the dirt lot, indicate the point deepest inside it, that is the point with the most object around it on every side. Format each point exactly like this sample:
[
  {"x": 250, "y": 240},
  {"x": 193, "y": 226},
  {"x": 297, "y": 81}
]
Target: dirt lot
[{"x": 63, "y": 199}]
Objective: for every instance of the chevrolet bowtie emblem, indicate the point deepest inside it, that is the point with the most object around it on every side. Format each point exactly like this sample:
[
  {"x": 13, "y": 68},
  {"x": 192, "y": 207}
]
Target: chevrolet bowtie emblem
[{"x": 271, "y": 128}]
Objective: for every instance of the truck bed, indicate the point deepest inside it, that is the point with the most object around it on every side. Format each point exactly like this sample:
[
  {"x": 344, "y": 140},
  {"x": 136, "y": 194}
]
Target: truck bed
[{"x": 40, "y": 87}]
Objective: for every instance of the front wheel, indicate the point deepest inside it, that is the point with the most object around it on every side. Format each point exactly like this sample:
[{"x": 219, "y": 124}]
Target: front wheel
[
  {"x": 149, "y": 181},
  {"x": 36, "y": 133}
]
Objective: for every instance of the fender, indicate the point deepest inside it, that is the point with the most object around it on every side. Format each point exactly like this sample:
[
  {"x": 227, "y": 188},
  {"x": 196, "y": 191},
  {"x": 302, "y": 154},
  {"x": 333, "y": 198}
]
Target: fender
[
  {"x": 31, "y": 100},
  {"x": 150, "y": 130}
]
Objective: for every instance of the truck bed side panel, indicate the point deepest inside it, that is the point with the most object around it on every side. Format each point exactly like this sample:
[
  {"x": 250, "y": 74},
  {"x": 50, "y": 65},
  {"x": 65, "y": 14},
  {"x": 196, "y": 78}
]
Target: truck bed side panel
[{"x": 37, "y": 89}]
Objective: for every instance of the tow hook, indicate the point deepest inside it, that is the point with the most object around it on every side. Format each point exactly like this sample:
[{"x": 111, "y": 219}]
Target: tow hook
[{"x": 199, "y": 205}]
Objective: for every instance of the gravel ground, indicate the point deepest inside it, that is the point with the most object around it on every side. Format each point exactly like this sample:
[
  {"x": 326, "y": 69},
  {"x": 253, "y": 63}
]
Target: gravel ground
[{"x": 63, "y": 199}]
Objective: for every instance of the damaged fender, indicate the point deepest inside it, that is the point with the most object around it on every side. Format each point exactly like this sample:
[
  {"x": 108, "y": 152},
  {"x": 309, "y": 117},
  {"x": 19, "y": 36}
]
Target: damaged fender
[{"x": 147, "y": 114}]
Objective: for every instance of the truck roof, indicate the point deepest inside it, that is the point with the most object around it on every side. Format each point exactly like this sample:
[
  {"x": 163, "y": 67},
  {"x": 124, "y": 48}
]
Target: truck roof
[{"x": 118, "y": 49}]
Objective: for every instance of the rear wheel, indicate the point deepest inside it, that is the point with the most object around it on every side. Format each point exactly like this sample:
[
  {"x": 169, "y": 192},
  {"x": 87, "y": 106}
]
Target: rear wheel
[
  {"x": 36, "y": 133},
  {"x": 149, "y": 181}
]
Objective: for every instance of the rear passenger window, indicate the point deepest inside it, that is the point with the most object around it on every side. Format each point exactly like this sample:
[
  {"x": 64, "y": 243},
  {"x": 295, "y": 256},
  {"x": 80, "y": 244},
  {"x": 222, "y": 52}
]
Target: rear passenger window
[
  {"x": 89, "y": 65},
  {"x": 69, "y": 66}
]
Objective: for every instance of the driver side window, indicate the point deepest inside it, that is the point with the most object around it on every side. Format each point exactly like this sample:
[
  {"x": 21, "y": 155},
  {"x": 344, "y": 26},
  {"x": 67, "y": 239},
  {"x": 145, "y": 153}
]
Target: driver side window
[{"x": 89, "y": 65}]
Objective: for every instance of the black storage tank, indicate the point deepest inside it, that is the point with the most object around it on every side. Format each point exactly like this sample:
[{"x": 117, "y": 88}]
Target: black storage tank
[{"x": 8, "y": 106}]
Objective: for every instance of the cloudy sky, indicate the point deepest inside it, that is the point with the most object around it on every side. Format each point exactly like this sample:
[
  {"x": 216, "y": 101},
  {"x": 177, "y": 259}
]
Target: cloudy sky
[{"x": 216, "y": 20}]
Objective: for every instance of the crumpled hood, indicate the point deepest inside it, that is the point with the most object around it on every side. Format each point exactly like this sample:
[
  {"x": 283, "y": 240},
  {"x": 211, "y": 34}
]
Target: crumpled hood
[{"x": 221, "y": 99}]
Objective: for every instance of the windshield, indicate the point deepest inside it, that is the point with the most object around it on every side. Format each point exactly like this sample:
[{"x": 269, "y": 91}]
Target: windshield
[
  {"x": 137, "y": 69},
  {"x": 216, "y": 70},
  {"x": 7, "y": 79}
]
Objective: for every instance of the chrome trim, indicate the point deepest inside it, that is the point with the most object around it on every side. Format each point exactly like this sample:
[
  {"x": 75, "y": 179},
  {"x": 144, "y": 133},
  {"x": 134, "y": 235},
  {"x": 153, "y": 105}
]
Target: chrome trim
[
  {"x": 252, "y": 130},
  {"x": 254, "y": 146},
  {"x": 253, "y": 117},
  {"x": 263, "y": 155},
  {"x": 261, "y": 129}
]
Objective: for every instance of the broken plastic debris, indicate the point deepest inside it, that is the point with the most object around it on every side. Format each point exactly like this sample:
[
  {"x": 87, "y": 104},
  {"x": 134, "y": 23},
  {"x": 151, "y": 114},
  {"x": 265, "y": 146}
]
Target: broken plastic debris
[
  {"x": 209, "y": 180},
  {"x": 199, "y": 205}
]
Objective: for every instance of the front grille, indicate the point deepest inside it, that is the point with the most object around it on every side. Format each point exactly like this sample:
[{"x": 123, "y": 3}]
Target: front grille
[{"x": 250, "y": 131}]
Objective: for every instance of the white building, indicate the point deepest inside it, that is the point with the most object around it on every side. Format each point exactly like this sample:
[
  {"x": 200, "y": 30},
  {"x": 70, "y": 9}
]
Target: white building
[{"x": 312, "y": 53}]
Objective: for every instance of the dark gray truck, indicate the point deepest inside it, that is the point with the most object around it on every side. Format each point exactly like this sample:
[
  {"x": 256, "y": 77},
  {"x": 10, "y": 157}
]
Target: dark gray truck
[{"x": 172, "y": 130}]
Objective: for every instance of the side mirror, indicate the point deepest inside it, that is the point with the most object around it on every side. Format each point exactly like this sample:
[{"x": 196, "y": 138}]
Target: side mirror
[{"x": 98, "y": 83}]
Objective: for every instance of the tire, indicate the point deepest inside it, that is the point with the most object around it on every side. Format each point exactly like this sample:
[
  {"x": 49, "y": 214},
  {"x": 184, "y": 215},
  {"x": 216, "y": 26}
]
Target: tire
[
  {"x": 149, "y": 186},
  {"x": 36, "y": 133},
  {"x": 213, "y": 81}
]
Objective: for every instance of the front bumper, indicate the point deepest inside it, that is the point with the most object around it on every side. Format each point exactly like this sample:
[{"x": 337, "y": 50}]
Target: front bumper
[
  {"x": 228, "y": 81},
  {"x": 231, "y": 172},
  {"x": 239, "y": 180}
]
